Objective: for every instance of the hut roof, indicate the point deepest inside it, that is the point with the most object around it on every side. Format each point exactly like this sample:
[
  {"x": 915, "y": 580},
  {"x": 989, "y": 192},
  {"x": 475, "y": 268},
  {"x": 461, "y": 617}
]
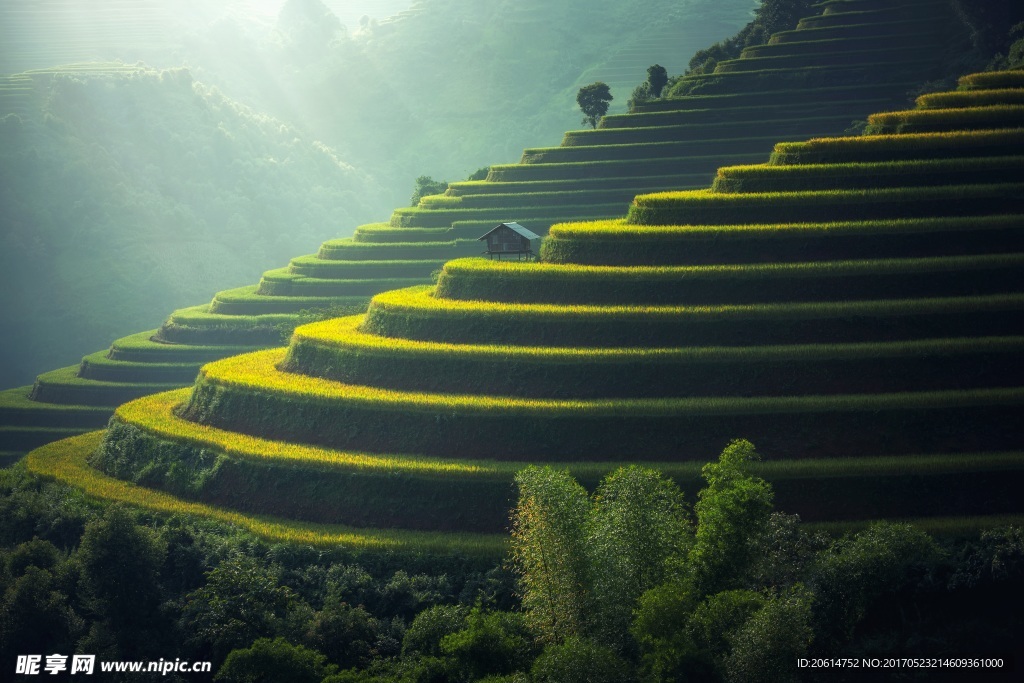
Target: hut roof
[{"x": 528, "y": 234}]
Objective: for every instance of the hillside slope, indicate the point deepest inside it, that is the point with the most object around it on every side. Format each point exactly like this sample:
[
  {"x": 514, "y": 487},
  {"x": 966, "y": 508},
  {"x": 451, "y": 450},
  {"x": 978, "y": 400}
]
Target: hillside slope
[
  {"x": 870, "y": 358},
  {"x": 668, "y": 144},
  {"x": 127, "y": 190}
]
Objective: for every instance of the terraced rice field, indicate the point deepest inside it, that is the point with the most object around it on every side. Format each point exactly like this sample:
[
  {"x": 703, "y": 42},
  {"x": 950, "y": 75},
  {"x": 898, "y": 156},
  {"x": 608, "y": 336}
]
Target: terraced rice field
[
  {"x": 729, "y": 118},
  {"x": 871, "y": 359}
]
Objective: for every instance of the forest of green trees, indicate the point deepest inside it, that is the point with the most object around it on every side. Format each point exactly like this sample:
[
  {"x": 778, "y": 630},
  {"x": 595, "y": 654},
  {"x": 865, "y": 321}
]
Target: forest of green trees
[{"x": 630, "y": 583}]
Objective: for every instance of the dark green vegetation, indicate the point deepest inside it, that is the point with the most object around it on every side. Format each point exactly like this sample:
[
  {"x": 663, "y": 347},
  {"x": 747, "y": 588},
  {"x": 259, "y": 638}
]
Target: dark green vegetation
[
  {"x": 873, "y": 358},
  {"x": 669, "y": 144},
  {"x": 75, "y": 577},
  {"x": 593, "y": 100},
  {"x": 634, "y": 582}
]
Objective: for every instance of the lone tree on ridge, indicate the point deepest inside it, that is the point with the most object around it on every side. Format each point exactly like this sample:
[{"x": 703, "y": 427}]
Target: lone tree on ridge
[
  {"x": 593, "y": 100},
  {"x": 657, "y": 78}
]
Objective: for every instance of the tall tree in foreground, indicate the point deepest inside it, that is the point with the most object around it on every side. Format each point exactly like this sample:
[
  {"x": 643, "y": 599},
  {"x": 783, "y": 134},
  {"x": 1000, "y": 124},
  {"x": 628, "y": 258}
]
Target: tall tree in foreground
[
  {"x": 593, "y": 100},
  {"x": 548, "y": 547}
]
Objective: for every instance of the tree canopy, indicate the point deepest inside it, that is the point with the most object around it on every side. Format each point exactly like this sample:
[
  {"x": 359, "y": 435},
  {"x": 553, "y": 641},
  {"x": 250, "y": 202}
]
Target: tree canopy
[{"x": 593, "y": 100}]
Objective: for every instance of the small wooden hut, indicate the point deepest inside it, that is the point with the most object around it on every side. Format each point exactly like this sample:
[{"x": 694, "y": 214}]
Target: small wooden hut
[{"x": 510, "y": 239}]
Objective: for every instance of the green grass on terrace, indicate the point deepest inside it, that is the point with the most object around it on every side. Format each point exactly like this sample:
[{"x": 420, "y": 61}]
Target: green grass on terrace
[
  {"x": 200, "y": 316},
  {"x": 778, "y": 94},
  {"x": 141, "y": 348},
  {"x": 893, "y": 30},
  {"x": 66, "y": 461},
  {"x": 415, "y": 314},
  {"x": 257, "y": 373},
  {"x": 992, "y": 80},
  {"x": 620, "y": 229},
  {"x": 344, "y": 334},
  {"x": 895, "y": 147},
  {"x": 487, "y": 187},
  {"x": 66, "y": 387},
  {"x": 24, "y": 439},
  {"x": 809, "y": 76},
  {"x": 246, "y": 301},
  {"x": 379, "y": 481},
  {"x": 17, "y": 409},
  {"x": 695, "y": 132},
  {"x": 97, "y": 366},
  {"x": 873, "y": 55},
  {"x": 347, "y": 250},
  {"x": 618, "y": 243},
  {"x": 245, "y": 391},
  {"x": 809, "y": 48},
  {"x": 387, "y": 234},
  {"x": 581, "y": 202},
  {"x": 650, "y": 150},
  {"x": 999, "y": 116},
  {"x": 864, "y": 175},
  {"x": 762, "y": 115},
  {"x": 338, "y": 350},
  {"x": 704, "y": 206},
  {"x": 616, "y": 168},
  {"x": 433, "y": 218},
  {"x": 858, "y": 16},
  {"x": 311, "y": 266},
  {"x": 334, "y": 289},
  {"x": 971, "y": 98},
  {"x": 510, "y": 281}
]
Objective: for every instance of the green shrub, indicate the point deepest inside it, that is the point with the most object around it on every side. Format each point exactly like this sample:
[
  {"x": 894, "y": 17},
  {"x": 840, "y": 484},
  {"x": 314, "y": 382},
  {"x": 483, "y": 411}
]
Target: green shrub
[
  {"x": 271, "y": 661},
  {"x": 490, "y": 643},
  {"x": 430, "y": 626},
  {"x": 580, "y": 661}
]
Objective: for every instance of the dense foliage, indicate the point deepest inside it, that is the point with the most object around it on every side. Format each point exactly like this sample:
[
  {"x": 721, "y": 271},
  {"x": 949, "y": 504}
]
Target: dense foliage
[
  {"x": 593, "y": 100},
  {"x": 125, "y": 585},
  {"x": 628, "y": 583}
]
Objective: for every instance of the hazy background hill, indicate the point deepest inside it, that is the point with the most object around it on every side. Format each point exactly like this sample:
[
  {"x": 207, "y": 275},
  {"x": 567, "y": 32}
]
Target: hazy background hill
[
  {"x": 128, "y": 193},
  {"x": 217, "y": 140}
]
